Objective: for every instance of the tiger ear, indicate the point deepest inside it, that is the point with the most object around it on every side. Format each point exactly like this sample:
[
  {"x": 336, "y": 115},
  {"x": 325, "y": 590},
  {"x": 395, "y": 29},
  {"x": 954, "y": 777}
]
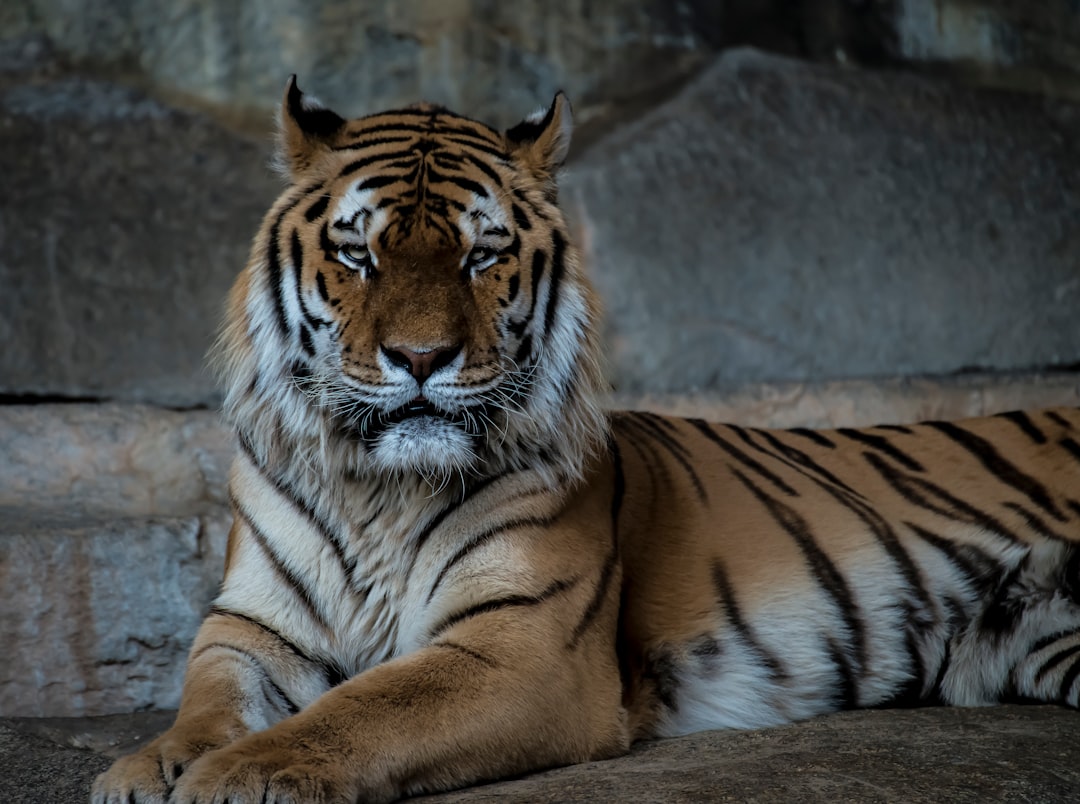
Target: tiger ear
[
  {"x": 540, "y": 141},
  {"x": 306, "y": 127}
]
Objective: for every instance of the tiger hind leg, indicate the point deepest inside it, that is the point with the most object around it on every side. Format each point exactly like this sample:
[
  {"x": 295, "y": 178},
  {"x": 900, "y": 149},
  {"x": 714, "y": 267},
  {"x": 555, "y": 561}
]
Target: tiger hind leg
[
  {"x": 1051, "y": 672},
  {"x": 1025, "y": 642}
]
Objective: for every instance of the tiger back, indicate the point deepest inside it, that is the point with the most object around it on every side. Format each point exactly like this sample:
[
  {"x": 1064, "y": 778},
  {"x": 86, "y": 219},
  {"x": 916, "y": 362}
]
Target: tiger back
[{"x": 449, "y": 564}]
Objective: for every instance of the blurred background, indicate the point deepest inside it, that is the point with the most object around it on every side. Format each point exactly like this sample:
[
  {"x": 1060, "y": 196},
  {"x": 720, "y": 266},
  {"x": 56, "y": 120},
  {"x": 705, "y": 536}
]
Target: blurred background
[{"x": 798, "y": 212}]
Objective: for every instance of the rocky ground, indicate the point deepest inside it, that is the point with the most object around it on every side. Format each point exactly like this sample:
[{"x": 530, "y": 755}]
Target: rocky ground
[{"x": 1012, "y": 753}]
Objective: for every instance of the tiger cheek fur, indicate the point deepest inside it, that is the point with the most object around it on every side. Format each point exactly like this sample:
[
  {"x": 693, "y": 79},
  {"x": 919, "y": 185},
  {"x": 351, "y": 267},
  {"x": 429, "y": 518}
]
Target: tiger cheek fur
[{"x": 447, "y": 564}]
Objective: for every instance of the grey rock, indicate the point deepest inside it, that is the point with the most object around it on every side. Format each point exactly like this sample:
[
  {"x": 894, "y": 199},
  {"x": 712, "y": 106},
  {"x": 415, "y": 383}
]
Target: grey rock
[
  {"x": 124, "y": 224},
  {"x": 113, "y": 521},
  {"x": 778, "y": 221},
  {"x": 98, "y": 616},
  {"x": 1009, "y": 753},
  {"x": 489, "y": 59},
  {"x": 107, "y": 460}
]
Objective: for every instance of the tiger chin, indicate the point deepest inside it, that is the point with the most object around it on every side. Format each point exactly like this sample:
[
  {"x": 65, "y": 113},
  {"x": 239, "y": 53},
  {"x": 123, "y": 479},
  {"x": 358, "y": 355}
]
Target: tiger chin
[{"x": 448, "y": 564}]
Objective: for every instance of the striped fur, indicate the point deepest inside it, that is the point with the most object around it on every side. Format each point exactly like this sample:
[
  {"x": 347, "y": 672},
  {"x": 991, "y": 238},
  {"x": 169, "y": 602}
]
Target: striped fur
[{"x": 448, "y": 565}]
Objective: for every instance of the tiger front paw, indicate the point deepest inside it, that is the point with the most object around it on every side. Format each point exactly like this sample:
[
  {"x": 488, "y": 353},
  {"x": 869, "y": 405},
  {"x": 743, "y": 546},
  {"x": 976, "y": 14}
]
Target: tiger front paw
[
  {"x": 147, "y": 777},
  {"x": 274, "y": 771}
]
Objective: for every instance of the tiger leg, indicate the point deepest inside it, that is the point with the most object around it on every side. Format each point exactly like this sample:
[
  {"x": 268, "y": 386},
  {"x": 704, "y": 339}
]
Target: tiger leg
[
  {"x": 1051, "y": 672},
  {"x": 1026, "y": 641},
  {"x": 483, "y": 700},
  {"x": 240, "y": 678}
]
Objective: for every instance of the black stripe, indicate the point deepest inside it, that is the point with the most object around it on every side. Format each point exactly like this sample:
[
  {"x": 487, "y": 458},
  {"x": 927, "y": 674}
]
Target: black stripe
[
  {"x": 1032, "y": 520},
  {"x": 726, "y": 595},
  {"x": 648, "y": 424},
  {"x": 793, "y": 457},
  {"x": 297, "y": 257},
  {"x": 895, "y": 428},
  {"x": 482, "y": 538},
  {"x": 283, "y": 571},
  {"x": 821, "y": 567},
  {"x": 459, "y": 181},
  {"x": 558, "y": 267},
  {"x": 300, "y": 506},
  {"x": 375, "y": 182},
  {"x": 334, "y": 674},
  {"x": 597, "y": 601},
  {"x": 849, "y": 688},
  {"x": 980, "y": 569},
  {"x": 513, "y": 285},
  {"x": 256, "y": 662},
  {"x": 854, "y": 502},
  {"x": 883, "y": 445},
  {"x": 918, "y": 490},
  {"x": 1071, "y": 447},
  {"x": 487, "y": 169},
  {"x": 510, "y": 601},
  {"x": 361, "y": 145},
  {"x": 1026, "y": 425},
  {"x": 1058, "y": 419},
  {"x": 491, "y": 150},
  {"x": 468, "y": 652},
  {"x": 812, "y": 435},
  {"x": 709, "y": 432},
  {"x": 273, "y": 259},
  {"x": 992, "y": 460},
  {"x": 520, "y": 218},
  {"x": 1055, "y": 660},
  {"x": 317, "y": 209},
  {"x": 539, "y": 264},
  {"x": 320, "y": 282},
  {"x": 618, "y": 492},
  {"x": 360, "y": 164},
  {"x": 305, "y": 341},
  {"x": 438, "y": 519},
  {"x": 1068, "y": 681}
]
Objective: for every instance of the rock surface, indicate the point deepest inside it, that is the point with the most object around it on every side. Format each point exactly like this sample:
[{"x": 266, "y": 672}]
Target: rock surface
[
  {"x": 132, "y": 219},
  {"x": 1007, "y": 753},
  {"x": 489, "y": 59},
  {"x": 773, "y": 222},
  {"x": 778, "y": 221}
]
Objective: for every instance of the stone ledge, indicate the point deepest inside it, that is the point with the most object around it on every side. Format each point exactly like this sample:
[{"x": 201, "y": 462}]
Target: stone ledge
[{"x": 1009, "y": 753}]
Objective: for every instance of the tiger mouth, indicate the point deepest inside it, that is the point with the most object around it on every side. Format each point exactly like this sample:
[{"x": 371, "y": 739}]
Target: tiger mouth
[{"x": 376, "y": 425}]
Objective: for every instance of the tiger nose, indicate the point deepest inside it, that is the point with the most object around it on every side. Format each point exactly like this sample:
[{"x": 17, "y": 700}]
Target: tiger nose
[{"x": 421, "y": 365}]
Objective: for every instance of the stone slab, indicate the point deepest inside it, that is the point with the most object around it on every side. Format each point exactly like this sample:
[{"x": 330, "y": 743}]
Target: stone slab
[
  {"x": 782, "y": 221},
  {"x": 124, "y": 223},
  {"x": 922, "y": 756},
  {"x": 109, "y": 460},
  {"x": 98, "y": 617}
]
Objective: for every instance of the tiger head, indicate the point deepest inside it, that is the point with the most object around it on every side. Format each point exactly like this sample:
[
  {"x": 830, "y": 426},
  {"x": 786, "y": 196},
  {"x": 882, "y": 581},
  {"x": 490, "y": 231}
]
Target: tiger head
[{"x": 413, "y": 304}]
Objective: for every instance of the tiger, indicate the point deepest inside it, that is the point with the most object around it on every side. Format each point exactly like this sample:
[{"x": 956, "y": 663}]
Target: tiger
[{"x": 451, "y": 563}]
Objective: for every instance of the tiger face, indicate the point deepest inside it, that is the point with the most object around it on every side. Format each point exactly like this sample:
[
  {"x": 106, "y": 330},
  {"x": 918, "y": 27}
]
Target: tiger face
[{"x": 413, "y": 300}]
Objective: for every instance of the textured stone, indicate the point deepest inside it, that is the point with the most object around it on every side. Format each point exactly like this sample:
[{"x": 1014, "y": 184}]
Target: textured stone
[
  {"x": 97, "y": 617},
  {"x": 124, "y": 225},
  {"x": 104, "y": 460},
  {"x": 922, "y": 756},
  {"x": 490, "y": 59},
  {"x": 780, "y": 221},
  {"x": 112, "y": 531}
]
